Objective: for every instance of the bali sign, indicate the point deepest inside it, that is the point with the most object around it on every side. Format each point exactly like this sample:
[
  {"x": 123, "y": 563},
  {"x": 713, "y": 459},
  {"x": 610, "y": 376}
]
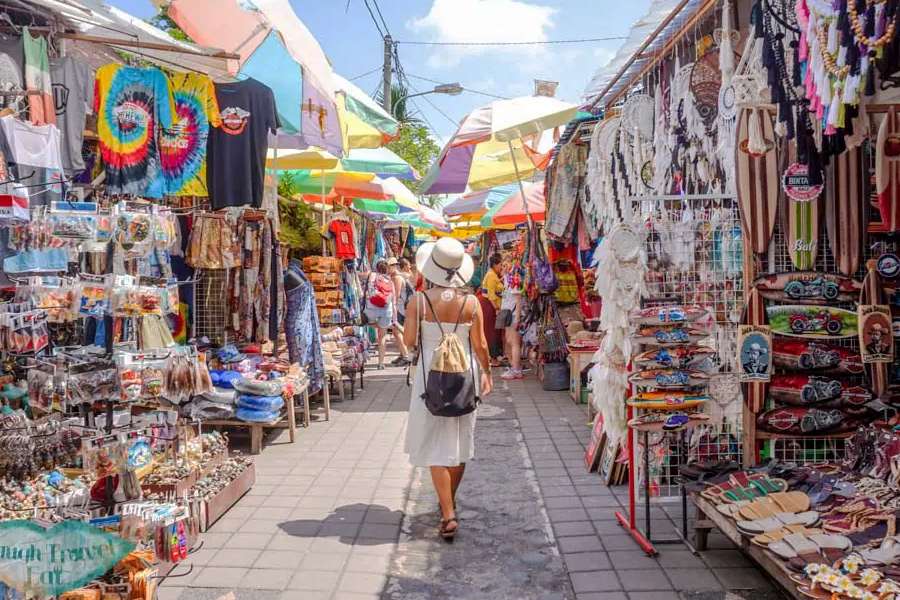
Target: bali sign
[{"x": 50, "y": 562}]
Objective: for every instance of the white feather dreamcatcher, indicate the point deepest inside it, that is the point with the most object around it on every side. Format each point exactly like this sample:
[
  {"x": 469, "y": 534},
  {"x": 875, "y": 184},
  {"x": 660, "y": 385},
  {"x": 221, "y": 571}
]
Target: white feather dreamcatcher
[{"x": 621, "y": 265}]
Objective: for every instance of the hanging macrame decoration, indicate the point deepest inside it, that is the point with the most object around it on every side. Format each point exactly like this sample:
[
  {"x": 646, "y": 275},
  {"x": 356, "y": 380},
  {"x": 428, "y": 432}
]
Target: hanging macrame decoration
[{"x": 706, "y": 81}]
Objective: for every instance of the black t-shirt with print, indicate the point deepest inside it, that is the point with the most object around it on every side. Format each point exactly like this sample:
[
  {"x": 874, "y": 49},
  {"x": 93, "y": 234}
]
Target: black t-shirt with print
[{"x": 236, "y": 151}]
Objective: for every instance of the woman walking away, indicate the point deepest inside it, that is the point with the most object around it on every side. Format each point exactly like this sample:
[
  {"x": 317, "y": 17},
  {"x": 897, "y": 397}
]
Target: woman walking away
[
  {"x": 380, "y": 308},
  {"x": 489, "y": 295},
  {"x": 447, "y": 325}
]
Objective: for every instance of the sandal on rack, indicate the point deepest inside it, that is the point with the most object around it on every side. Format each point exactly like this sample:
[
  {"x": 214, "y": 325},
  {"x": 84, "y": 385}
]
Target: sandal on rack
[
  {"x": 445, "y": 532},
  {"x": 764, "y": 539},
  {"x": 777, "y": 522}
]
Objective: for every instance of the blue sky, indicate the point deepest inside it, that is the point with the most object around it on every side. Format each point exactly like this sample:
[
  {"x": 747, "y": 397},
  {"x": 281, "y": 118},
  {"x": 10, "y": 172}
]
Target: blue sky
[{"x": 353, "y": 44}]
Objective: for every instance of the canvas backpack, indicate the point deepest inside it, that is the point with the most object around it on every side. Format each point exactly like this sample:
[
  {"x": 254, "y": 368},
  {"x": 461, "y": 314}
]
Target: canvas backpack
[
  {"x": 380, "y": 291},
  {"x": 450, "y": 378}
]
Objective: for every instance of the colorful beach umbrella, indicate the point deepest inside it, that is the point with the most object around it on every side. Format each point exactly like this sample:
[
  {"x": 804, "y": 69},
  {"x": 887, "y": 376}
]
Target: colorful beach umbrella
[
  {"x": 366, "y": 123},
  {"x": 404, "y": 198},
  {"x": 277, "y": 49},
  {"x": 488, "y": 147},
  {"x": 475, "y": 204},
  {"x": 296, "y": 160},
  {"x": 425, "y": 217},
  {"x": 514, "y": 211},
  {"x": 379, "y": 161}
]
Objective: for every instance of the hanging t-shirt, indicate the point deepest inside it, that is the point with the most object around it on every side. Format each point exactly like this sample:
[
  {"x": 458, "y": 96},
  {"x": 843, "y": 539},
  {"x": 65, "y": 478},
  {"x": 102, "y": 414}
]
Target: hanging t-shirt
[
  {"x": 13, "y": 199},
  {"x": 344, "y": 244},
  {"x": 129, "y": 103},
  {"x": 12, "y": 72},
  {"x": 72, "y": 99},
  {"x": 35, "y": 159},
  {"x": 237, "y": 148},
  {"x": 37, "y": 78},
  {"x": 182, "y": 148}
]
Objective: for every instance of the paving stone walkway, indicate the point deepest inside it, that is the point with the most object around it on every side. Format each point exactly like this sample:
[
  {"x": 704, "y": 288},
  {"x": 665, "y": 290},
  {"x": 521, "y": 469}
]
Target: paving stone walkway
[{"x": 340, "y": 515}]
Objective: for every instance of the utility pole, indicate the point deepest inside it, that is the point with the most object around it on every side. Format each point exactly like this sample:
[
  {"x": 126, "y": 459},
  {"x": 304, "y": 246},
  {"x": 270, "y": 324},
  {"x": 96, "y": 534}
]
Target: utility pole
[{"x": 386, "y": 75}]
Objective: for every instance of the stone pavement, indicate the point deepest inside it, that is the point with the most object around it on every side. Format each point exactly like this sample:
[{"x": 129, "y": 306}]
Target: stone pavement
[{"x": 340, "y": 515}]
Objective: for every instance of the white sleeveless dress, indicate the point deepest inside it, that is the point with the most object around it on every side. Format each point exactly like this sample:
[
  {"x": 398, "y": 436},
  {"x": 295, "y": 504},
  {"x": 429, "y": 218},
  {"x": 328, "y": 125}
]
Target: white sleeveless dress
[{"x": 439, "y": 441}]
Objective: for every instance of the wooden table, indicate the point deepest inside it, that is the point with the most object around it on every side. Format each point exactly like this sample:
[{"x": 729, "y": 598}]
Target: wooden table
[
  {"x": 579, "y": 358},
  {"x": 708, "y": 517},
  {"x": 257, "y": 429}
]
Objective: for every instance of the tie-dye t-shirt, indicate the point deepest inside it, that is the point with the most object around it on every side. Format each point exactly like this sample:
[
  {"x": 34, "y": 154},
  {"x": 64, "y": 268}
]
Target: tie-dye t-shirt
[
  {"x": 129, "y": 104},
  {"x": 182, "y": 147}
]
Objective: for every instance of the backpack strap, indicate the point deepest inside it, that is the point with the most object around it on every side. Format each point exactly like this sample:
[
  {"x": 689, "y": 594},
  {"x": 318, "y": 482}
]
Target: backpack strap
[
  {"x": 436, "y": 319},
  {"x": 461, "y": 309}
]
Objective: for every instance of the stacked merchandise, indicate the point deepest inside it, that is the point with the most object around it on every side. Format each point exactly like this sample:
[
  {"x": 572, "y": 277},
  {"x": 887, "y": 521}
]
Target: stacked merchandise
[
  {"x": 820, "y": 529},
  {"x": 347, "y": 346},
  {"x": 325, "y": 275},
  {"x": 669, "y": 373},
  {"x": 96, "y": 389}
]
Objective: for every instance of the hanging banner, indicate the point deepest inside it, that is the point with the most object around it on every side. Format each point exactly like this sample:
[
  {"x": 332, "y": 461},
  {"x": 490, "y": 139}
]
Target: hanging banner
[{"x": 50, "y": 562}]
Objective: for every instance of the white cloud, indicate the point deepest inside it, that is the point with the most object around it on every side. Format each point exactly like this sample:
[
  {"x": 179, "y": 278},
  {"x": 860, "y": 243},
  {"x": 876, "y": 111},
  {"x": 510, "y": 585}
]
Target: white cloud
[{"x": 483, "y": 21}]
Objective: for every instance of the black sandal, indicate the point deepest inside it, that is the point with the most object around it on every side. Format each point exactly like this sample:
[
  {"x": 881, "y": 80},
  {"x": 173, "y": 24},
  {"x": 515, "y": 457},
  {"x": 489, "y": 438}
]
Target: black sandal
[{"x": 444, "y": 533}]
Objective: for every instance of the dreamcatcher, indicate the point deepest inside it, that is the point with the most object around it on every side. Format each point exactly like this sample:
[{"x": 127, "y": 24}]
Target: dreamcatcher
[
  {"x": 637, "y": 119},
  {"x": 706, "y": 81},
  {"x": 621, "y": 265},
  {"x": 662, "y": 153},
  {"x": 727, "y": 39},
  {"x": 600, "y": 175}
]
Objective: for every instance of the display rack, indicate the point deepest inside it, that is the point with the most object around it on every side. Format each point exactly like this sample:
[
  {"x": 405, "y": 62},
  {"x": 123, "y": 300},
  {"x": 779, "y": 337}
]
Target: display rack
[
  {"x": 697, "y": 275},
  {"x": 757, "y": 443}
]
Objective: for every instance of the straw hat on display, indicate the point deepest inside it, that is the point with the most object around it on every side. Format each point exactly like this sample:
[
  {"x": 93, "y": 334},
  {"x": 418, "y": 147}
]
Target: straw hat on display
[{"x": 445, "y": 263}]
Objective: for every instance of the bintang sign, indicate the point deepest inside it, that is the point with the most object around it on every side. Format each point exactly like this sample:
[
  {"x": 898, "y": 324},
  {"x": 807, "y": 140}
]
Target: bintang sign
[{"x": 50, "y": 562}]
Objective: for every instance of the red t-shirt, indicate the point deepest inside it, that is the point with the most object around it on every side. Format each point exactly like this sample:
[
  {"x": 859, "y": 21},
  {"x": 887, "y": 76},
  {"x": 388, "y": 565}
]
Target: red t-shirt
[{"x": 342, "y": 232}]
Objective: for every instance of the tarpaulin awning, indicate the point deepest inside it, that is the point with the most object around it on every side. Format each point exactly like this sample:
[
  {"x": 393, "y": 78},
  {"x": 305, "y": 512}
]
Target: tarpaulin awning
[{"x": 638, "y": 48}]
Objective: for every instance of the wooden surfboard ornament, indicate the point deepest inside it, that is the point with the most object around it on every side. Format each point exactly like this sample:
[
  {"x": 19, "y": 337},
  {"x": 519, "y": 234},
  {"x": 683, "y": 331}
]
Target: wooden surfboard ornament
[
  {"x": 887, "y": 169},
  {"x": 754, "y": 314},
  {"x": 799, "y": 208},
  {"x": 756, "y": 164},
  {"x": 873, "y": 293},
  {"x": 844, "y": 194}
]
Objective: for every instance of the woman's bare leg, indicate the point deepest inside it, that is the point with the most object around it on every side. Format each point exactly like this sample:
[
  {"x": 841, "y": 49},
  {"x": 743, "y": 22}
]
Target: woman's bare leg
[
  {"x": 398, "y": 339},
  {"x": 382, "y": 342},
  {"x": 456, "y": 475},
  {"x": 514, "y": 348},
  {"x": 442, "y": 480}
]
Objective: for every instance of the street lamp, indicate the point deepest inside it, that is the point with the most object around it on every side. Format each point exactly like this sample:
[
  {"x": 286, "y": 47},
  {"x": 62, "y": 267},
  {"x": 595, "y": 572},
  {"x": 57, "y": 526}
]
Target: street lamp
[{"x": 451, "y": 89}]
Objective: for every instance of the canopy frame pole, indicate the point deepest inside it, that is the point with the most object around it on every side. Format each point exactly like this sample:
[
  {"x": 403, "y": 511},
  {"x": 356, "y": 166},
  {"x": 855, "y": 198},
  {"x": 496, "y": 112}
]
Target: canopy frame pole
[
  {"x": 521, "y": 185},
  {"x": 324, "y": 243}
]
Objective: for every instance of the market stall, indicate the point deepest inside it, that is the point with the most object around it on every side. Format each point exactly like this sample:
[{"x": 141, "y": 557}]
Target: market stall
[{"x": 746, "y": 269}]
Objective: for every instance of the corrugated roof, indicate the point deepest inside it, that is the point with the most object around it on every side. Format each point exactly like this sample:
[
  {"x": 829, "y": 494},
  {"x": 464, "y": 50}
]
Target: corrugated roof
[{"x": 618, "y": 69}]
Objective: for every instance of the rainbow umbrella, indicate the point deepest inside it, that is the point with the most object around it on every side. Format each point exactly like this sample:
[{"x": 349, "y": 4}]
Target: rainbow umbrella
[
  {"x": 475, "y": 204},
  {"x": 366, "y": 124},
  {"x": 380, "y": 161},
  {"x": 488, "y": 150},
  {"x": 294, "y": 160},
  {"x": 425, "y": 217},
  {"x": 514, "y": 210}
]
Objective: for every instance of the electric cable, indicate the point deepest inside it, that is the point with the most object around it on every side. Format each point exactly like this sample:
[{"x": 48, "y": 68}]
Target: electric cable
[
  {"x": 536, "y": 43},
  {"x": 465, "y": 89}
]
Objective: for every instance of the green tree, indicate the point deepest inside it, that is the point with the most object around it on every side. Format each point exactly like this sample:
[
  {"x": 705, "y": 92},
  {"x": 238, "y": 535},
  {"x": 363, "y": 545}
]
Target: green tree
[
  {"x": 402, "y": 113},
  {"x": 162, "y": 20},
  {"x": 298, "y": 223},
  {"x": 415, "y": 145}
]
